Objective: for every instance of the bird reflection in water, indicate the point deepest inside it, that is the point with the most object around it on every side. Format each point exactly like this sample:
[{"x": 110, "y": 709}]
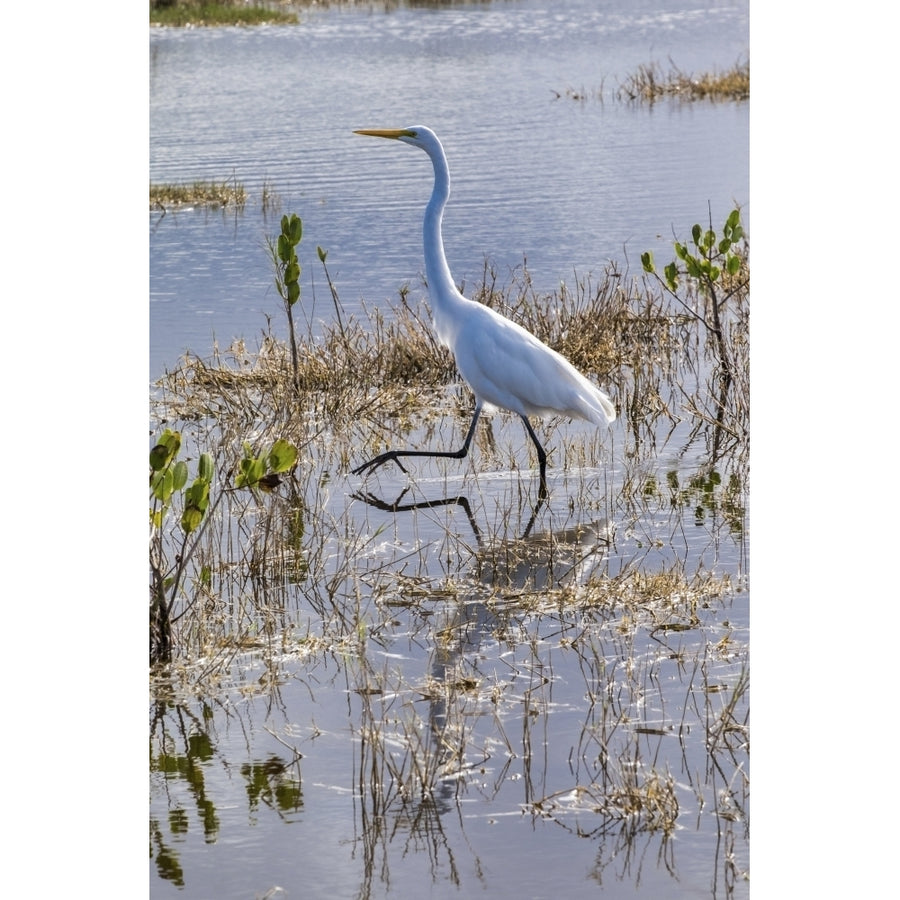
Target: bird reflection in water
[{"x": 503, "y": 574}]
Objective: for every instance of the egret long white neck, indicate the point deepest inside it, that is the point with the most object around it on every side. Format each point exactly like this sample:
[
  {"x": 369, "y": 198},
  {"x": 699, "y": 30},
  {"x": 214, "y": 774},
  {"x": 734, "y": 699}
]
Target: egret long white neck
[{"x": 437, "y": 272}]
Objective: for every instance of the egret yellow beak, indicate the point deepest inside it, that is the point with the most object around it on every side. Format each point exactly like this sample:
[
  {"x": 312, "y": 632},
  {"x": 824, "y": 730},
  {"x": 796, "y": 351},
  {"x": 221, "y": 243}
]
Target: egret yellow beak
[{"x": 395, "y": 133}]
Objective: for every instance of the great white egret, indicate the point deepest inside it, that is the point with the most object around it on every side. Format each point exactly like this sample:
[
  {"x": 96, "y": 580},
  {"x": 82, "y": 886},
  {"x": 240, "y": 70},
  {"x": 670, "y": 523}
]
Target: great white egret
[{"x": 504, "y": 365}]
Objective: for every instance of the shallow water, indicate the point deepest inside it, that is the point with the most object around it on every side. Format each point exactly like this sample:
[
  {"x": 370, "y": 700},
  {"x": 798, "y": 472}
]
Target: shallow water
[
  {"x": 547, "y": 705},
  {"x": 567, "y": 184},
  {"x": 279, "y": 777}
]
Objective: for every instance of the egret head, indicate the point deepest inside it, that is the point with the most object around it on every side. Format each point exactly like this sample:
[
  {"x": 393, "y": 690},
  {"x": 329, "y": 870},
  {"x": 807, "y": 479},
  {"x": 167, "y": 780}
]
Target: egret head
[{"x": 417, "y": 135}]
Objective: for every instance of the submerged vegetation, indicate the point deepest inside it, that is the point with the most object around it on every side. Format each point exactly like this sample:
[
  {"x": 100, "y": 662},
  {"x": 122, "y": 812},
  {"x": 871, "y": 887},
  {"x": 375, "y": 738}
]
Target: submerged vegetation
[
  {"x": 214, "y": 194},
  {"x": 650, "y": 83},
  {"x": 180, "y": 13},
  {"x": 199, "y": 13},
  {"x": 583, "y": 666},
  {"x": 342, "y": 391}
]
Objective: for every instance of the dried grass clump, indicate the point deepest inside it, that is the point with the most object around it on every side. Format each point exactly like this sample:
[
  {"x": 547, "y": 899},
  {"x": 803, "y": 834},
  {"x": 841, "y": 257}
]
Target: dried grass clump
[
  {"x": 386, "y": 366},
  {"x": 650, "y": 83},
  {"x": 199, "y": 193},
  {"x": 199, "y": 13},
  {"x": 598, "y": 325},
  {"x": 648, "y": 804}
]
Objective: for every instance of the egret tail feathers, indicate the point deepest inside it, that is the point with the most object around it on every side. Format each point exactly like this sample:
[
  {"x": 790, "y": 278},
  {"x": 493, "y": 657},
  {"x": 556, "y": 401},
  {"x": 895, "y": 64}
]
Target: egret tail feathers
[{"x": 602, "y": 406}]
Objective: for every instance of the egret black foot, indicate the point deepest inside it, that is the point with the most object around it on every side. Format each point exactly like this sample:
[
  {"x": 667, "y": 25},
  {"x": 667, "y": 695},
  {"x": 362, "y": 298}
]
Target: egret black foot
[{"x": 380, "y": 460}]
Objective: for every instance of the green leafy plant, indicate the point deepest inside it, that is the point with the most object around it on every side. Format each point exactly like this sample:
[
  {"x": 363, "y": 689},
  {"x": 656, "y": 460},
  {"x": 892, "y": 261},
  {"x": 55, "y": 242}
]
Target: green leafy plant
[
  {"x": 169, "y": 478},
  {"x": 287, "y": 277},
  {"x": 714, "y": 269},
  {"x": 263, "y": 471},
  {"x": 705, "y": 264}
]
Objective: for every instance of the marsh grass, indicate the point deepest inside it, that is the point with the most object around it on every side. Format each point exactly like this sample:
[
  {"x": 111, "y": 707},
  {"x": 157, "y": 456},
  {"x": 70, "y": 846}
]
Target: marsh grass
[
  {"x": 615, "y": 332},
  {"x": 381, "y": 375},
  {"x": 213, "y": 194},
  {"x": 600, "y": 597},
  {"x": 201, "y": 13},
  {"x": 650, "y": 83},
  {"x": 198, "y": 13},
  {"x": 271, "y": 201}
]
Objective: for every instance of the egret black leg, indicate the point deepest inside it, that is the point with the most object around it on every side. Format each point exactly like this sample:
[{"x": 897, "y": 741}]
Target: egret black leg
[
  {"x": 394, "y": 455},
  {"x": 542, "y": 458}
]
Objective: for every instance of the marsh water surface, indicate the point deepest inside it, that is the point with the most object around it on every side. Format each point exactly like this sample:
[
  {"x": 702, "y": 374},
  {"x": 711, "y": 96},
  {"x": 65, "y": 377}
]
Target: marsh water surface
[
  {"x": 567, "y": 184},
  {"x": 447, "y": 688}
]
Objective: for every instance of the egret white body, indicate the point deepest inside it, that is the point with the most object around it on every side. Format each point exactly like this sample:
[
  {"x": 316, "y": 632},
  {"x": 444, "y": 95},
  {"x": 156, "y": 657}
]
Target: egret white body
[{"x": 504, "y": 365}]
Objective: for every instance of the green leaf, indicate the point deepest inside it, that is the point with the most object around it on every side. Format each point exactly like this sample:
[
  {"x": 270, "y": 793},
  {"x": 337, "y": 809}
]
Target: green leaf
[
  {"x": 179, "y": 475},
  {"x": 672, "y": 276},
  {"x": 159, "y": 457},
  {"x": 257, "y": 469},
  {"x": 191, "y": 519},
  {"x": 166, "y": 449},
  {"x": 196, "y": 501},
  {"x": 251, "y": 471},
  {"x": 292, "y": 272},
  {"x": 737, "y": 233},
  {"x": 197, "y": 495},
  {"x": 733, "y": 265},
  {"x": 709, "y": 240},
  {"x": 322, "y": 253},
  {"x": 294, "y": 230},
  {"x": 714, "y": 273},
  {"x": 205, "y": 467},
  {"x": 161, "y": 485},
  {"x": 724, "y": 245},
  {"x": 693, "y": 267},
  {"x": 282, "y": 456},
  {"x": 680, "y": 250},
  {"x": 696, "y": 231},
  {"x": 293, "y": 289},
  {"x": 647, "y": 262},
  {"x": 285, "y": 250},
  {"x": 734, "y": 217}
]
